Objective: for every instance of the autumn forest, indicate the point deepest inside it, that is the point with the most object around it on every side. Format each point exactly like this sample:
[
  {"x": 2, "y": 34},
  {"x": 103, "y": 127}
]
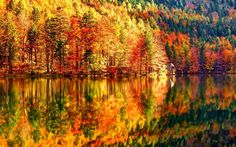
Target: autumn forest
[
  {"x": 117, "y": 73},
  {"x": 117, "y": 36}
]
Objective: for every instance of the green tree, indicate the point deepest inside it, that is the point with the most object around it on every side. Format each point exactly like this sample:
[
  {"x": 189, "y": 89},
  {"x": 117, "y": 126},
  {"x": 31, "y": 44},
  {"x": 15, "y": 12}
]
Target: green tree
[
  {"x": 88, "y": 31},
  {"x": 149, "y": 42},
  {"x": 50, "y": 38},
  {"x": 33, "y": 36},
  {"x": 168, "y": 50},
  {"x": 32, "y": 42},
  {"x": 61, "y": 29},
  {"x": 56, "y": 39},
  {"x": 10, "y": 42}
]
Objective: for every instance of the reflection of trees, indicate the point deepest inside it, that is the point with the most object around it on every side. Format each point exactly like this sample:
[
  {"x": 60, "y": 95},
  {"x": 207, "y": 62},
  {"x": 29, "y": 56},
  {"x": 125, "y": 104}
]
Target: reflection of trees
[
  {"x": 184, "y": 117},
  {"x": 147, "y": 100},
  {"x": 2, "y": 93},
  {"x": 132, "y": 112},
  {"x": 89, "y": 91},
  {"x": 57, "y": 115},
  {"x": 34, "y": 113},
  {"x": 202, "y": 88},
  {"x": 10, "y": 111},
  {"x": 89, "y": 113}
]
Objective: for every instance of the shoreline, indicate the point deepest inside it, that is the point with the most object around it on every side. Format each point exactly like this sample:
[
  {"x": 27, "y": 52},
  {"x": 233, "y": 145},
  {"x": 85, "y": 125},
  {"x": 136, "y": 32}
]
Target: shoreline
[{"x": 102, "y": 75}]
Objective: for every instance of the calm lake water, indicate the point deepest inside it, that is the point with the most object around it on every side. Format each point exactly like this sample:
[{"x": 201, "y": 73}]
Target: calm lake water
[{"x": 183, "y": 111}]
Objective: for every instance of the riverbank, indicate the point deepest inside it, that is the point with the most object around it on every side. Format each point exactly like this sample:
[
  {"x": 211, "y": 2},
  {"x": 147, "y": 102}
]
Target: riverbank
[
  {"x": 64, "y": 75},
  {"x": 78, "y": 75},
  {"x": 98, "y": 75}
]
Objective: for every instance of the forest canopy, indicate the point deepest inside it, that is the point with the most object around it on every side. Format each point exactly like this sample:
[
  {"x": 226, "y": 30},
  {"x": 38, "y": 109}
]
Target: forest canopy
[{"x": 117, "y": 36}]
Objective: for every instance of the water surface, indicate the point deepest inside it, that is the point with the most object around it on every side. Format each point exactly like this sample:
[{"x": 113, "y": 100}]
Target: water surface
[{"x": 127, "y": 112}]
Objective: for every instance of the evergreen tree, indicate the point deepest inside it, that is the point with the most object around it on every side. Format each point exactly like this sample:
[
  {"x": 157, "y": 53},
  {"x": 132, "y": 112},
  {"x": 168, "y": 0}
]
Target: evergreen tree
[{"x": 10, "y": 42}]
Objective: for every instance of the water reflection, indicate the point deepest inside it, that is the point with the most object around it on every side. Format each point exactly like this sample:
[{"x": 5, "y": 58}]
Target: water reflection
[{"x": 142, "y": 111}]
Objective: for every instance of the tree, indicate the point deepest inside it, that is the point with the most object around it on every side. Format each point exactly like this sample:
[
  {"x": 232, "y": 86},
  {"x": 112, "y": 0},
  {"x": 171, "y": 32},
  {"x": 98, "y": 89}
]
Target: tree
[
  {"x": 149, "y": 42},
  {"x": 62, "y": 26},
  {"x": 202, "y": 58},
  {"x": 2, "y": 48},
  {"x": 50, "y": 39},
  {"x": 210, "y": 60},
  {"x": 108, "y": 48},
  {"x": 138, "y": 53},
  {"x": 33, "y": 36},
  {"x": 88, "y": 31},
  {"x": 168, "y": 50},
  {"x": 32, "y": 43},
  {"x": 56, "y": 30},
  {"x": 194, "y": 64},
  {"x": 74, "y": 39},
  {"x": 60, "y": 52},
  {"x": 10, "y": 42}
]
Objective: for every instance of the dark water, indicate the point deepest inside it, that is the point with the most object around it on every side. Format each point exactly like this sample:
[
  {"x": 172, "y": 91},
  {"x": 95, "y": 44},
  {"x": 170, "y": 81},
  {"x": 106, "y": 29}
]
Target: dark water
[{"x": 186, "y": 111}]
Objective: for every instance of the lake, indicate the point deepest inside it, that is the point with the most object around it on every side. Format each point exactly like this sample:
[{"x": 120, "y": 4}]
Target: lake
[{"x": 181, "y": 111}]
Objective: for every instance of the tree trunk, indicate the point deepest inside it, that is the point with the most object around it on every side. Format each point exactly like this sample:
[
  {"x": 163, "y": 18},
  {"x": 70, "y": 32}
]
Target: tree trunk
[
  {"x": 52, "y": 56},
  {"x": 47, "y": 60},
  {"x": 77, "y": 55},
  {"x": 10, "y": 62},
  {"x": 35, "y": 54}
]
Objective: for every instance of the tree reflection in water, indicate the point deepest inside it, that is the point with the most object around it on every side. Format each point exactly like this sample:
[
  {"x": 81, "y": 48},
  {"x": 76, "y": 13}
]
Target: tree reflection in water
[{"x": 126, "y": 112}]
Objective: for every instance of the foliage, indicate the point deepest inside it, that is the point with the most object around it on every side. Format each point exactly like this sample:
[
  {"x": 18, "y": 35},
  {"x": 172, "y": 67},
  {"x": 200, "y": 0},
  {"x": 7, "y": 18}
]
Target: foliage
[{"x": 96, "y": 36}]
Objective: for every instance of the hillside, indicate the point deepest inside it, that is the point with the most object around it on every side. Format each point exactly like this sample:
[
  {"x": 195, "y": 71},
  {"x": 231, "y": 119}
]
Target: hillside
[
  {"x": 209, "y": 29},
  {"x": 116, "y": 36}
]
